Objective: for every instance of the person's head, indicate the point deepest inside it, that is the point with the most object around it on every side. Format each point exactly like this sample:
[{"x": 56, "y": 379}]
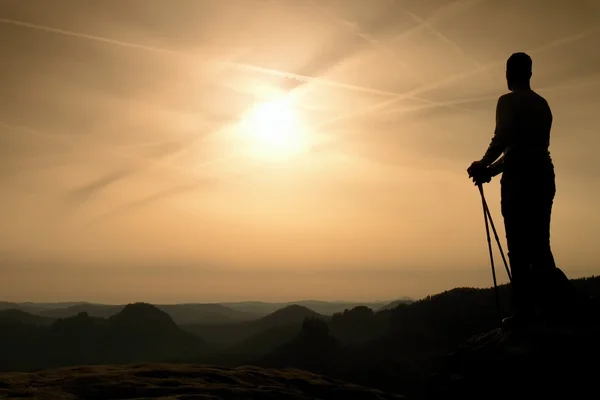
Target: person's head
[{"x": 518, "y": 71}]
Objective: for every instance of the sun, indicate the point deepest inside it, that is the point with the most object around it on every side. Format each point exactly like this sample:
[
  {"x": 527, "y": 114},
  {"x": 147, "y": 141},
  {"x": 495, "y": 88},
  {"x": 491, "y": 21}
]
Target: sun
[{"x": 275, "y": 129}]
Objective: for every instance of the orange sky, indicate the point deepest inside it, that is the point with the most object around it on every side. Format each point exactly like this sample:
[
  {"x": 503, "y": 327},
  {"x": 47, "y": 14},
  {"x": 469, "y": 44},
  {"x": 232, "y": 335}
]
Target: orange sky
[{"x": 140, "y": 163}]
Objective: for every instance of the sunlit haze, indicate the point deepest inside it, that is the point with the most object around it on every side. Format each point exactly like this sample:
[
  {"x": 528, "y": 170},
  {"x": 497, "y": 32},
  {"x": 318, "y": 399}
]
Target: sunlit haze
[{"x": 217, "y": 150}]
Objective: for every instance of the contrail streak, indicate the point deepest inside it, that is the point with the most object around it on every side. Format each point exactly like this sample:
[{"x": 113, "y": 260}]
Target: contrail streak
[
  {"x": 110, "y": 151},
  {"x": 65, "y": 139},
  {"x": 218, "y": 62},
  {"x": 394, "y": 97},
  {"x": 143, "y": 202},
  {"x": 368, "y": 38},
  {"x": 442, "y": 37},
  {"x": 456, "y": 78},
  {"x": 239, "y": 66},
  {"x": 385, "y": 48},
  {"x": 236, "y": 65},
  {"x": 468, "y": 100},
  {"x": 86, "y": 36},
  {"x": 423, "y": 25}
]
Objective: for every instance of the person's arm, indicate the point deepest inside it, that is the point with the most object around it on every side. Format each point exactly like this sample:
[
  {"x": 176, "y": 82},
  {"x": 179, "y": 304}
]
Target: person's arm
[
  {"x": 497, "y": 167},
  {"x": 500, "y": 138}
]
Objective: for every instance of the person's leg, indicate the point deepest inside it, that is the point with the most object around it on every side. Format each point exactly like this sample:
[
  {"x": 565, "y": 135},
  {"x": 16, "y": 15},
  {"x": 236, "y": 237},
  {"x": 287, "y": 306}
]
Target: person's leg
[
  {"x": 555, "y": 294},
  {"x": 544, "y": 272},
  {"x": 541, "y": 200},
  {"x": 517, "y": 227}
]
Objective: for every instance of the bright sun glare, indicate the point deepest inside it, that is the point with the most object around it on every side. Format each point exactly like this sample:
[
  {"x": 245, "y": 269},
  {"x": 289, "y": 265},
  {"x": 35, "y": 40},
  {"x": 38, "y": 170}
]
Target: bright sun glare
[{"x": 275, "y": 130}]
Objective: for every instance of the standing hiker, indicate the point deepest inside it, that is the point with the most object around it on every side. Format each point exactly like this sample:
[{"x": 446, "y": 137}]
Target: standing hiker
[{"x": 519, "y": 150}]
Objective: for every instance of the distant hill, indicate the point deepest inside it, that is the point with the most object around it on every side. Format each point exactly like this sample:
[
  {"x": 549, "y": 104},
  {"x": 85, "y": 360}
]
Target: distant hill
[
  {"x": 62, "y": 304},
  {"x": 9, "y": 316},
  {"x": 394, "y": 304},
  {"x": 192, "y": 313},
  {"x": 321, "y": 307},
  {"x": 181, "y": 313},
  {"x": 6, "y": 305},
  {"x": 154, "y": 381},
  {"x": 143, "y": 316},
  {"x": 313, "y": 349},
  {"x": 359, "y": 325},
  {"x": 264, "y": 342},
  {"x": 288, "y": 315},
  {"x": 94, "y": 310},
  {"x": 226, "y": 335},
  {"x": 184, "y": 314},
  {"x": 258, "y": 338},
  {"x": 142, "y": 332},
  {"x": 37, "y": 308},
  {"x": 269, "y": 332},
  {"x": 138, "y": 333}
]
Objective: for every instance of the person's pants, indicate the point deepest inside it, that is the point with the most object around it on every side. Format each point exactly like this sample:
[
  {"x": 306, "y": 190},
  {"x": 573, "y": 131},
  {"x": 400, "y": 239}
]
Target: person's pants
[{"x": 527, "y": 208}]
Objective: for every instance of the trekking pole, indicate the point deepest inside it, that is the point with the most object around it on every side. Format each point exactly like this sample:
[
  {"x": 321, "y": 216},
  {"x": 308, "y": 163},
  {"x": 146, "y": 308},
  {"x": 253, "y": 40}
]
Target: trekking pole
[
  {"x": 489, "y": 216},
  {"x": 489, "y": 241}
]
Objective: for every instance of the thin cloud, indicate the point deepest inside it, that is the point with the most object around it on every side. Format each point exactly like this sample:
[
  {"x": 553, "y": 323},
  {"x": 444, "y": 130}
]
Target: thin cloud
[
  {"x": 147, "y": 200},
  {"x": 86, "y": 192}
]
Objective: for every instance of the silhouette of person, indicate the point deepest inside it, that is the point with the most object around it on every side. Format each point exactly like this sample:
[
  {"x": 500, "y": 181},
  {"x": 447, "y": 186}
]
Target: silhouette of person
[{"x": 519, "y": 150}]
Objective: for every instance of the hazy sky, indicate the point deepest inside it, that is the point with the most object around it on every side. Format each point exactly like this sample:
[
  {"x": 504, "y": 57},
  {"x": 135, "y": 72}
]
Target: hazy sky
[{"x": 139, "y": 162}]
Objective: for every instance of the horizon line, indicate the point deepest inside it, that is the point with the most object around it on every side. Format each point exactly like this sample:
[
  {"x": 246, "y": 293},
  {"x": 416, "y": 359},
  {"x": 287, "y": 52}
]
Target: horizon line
[{"x": 209, "y": 302}]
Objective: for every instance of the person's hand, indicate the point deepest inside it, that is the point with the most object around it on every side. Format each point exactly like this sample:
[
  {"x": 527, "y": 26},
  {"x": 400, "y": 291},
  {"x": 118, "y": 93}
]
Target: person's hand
[
  {"x": 479, "y": 173},
  {"x": 474, "y": 168},
  {"x": 482, "y": 176}
]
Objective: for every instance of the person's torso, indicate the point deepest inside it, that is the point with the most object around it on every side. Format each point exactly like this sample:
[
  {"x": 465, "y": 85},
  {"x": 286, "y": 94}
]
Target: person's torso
[{"x": 529, "y": 136}]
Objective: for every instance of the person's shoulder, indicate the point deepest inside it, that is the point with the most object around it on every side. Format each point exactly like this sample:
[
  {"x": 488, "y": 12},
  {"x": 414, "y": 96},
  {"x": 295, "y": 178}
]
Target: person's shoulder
[
  {"x": 541, "y": 98},
  {"x": 538, "y": 101},
  {"x": 506, "y": 100}
]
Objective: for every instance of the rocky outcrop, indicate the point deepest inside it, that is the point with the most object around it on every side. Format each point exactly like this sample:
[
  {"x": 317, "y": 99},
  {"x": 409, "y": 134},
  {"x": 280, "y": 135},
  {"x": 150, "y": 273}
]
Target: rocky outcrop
[
  {"x": 541, "y": 362},
  {"x": 181, "y": 382}
]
